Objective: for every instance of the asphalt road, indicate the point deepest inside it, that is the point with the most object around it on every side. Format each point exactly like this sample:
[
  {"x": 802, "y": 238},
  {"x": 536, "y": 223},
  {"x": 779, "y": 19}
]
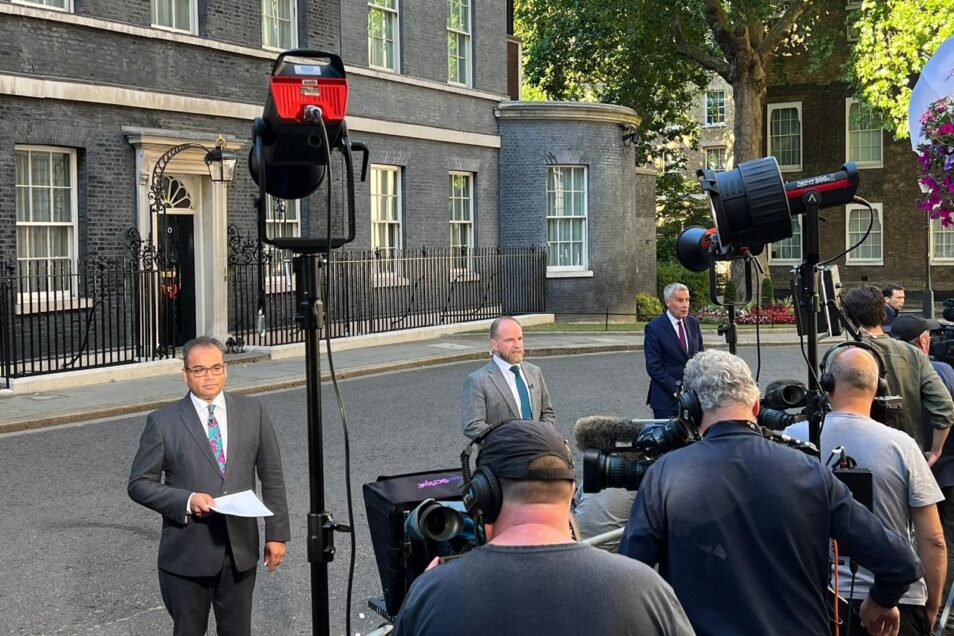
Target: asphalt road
[{"x": 79, "y": 556}]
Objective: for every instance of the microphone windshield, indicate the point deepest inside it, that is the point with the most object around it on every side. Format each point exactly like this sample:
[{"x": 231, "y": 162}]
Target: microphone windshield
[{"x": 605, "y": 432}]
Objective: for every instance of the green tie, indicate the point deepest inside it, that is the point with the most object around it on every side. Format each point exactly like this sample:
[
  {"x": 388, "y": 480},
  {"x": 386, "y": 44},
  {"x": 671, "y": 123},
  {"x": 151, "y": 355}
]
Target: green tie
[{"x": 525, "y": 411}]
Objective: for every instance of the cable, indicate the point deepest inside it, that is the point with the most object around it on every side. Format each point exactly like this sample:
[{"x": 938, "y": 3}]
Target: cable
[
  {"x": 334, "y": 381},
  {"x": 834, "y": 545},
  {"x": 865, "y": 203}
]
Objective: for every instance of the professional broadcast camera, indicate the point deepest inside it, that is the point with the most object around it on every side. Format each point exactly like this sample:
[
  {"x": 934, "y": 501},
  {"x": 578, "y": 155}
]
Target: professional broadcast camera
[
  {"x": 414, "y": 518},
  {"x": 942, "y": 340},
  {"x": 617, "y": 453}
]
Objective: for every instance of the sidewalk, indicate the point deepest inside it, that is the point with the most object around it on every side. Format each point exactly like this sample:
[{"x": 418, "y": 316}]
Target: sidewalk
[{"x": 259, "y": 372}]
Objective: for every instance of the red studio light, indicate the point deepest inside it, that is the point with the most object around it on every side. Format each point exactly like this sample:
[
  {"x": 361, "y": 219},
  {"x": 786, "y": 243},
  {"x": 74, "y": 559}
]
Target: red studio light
[
  {"x": 752, "y": 206},
  {"x": 303, "y": 121}
]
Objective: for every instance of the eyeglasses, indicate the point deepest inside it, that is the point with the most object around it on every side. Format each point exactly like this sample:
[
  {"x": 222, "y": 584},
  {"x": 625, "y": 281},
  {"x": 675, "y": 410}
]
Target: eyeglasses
[{"x": 201, "y": 372}]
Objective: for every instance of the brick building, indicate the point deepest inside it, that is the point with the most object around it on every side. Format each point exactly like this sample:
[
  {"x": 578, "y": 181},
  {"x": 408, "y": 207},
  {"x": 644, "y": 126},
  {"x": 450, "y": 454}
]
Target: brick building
[{"x": 95, "y": 92}]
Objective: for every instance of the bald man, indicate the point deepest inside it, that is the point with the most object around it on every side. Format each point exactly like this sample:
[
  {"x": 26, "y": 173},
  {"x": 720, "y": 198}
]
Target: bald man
[{"x": 904, "y": 488}]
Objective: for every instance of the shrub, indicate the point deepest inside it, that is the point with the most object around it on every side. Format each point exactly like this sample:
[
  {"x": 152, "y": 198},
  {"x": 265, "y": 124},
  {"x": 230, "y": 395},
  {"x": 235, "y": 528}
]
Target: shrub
[
  {"x": 730, "y": 294},
  {"x": 647, "y": 306},
  {"x": 672, "y": 272},
  {"x": 768, "y": 292}
]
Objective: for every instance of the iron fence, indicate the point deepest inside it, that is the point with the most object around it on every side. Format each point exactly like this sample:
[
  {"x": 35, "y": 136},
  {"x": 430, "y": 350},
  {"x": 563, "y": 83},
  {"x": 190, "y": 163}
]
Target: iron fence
[
  {"x": 369, "y": 291},
  {"x": 57, "y": 316}
]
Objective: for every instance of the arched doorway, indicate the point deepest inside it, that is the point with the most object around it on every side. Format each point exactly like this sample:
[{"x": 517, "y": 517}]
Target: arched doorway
[{"x": 181, "y": 199}]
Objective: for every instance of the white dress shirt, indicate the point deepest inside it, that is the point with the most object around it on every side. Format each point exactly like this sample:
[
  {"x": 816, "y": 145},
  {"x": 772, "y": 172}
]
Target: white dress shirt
[{"x": 512, "y": 381}]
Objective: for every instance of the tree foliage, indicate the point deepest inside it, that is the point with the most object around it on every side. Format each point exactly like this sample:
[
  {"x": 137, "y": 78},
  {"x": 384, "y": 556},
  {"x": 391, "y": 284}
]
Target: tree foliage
[
  {"x": 895, "y": 39},
  {"x": 655, "y": 55}
]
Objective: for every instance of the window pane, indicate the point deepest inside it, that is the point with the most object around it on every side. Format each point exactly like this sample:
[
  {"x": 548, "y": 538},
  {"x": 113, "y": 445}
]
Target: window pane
[
  {"x": 61, "y": 169},
  {"x": 41, "y": 205},
  {"x": 183, "y": 15},
  {"x": 38, "y": 242},
  {"x": 39, "y": 168},
  {"x": 61, "y": 206},
  {"x": 23, "y": 167},
  {"x": 163, "y": 14},
  {"x": 60, "y": 241},
  {"x": 23, "y": 203}
]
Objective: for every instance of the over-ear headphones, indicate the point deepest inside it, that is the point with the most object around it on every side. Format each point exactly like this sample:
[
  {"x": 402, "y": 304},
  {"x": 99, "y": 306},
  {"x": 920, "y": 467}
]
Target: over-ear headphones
[
  {"x": 482, "y": 492},
  {"x": 690, "y": 410},
  {"x": 827, "y": 380}
]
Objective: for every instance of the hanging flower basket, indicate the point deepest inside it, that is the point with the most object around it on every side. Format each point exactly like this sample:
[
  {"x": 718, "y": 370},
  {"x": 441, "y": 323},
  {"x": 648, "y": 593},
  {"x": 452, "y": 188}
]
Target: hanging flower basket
[{"x": 936, "y": 159}]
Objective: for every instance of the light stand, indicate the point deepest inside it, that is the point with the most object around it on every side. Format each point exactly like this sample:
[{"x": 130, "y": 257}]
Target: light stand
[{"x": 808, "y": 310}]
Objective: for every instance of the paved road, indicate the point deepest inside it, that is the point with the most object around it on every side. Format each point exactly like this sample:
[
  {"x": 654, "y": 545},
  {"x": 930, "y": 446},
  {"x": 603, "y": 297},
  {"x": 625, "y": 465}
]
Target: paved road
[{"x": 79, "y": 556}]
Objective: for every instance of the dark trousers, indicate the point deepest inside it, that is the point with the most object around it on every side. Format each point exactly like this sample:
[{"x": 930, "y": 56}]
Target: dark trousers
[
  {"x": 914, "y": 620},
  {"x": 946, "y": 510},
  {"x": 188, "y": 599}
]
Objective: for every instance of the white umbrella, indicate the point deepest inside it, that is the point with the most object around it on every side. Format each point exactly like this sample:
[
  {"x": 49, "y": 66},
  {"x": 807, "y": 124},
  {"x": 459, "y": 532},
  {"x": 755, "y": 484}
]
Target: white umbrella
[{"x": 936, "y": 82}]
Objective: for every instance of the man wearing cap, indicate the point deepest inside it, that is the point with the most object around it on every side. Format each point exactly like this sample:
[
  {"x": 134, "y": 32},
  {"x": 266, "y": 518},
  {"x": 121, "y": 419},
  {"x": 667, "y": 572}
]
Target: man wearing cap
[
  {"x": 916, "y": 331},
  {"x": 532, "y": 577},
  {"x": 740, "y": 526},
  {"x": 908, "y": 373},
  {"x": 506, "y": 388}
]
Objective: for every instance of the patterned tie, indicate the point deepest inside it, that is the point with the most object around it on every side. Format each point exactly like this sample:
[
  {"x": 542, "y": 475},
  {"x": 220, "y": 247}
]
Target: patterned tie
[
  {"x": 525, "y": 411},
  {"x": 215, "y": 440},
  {"x": 682, "y": 337}
]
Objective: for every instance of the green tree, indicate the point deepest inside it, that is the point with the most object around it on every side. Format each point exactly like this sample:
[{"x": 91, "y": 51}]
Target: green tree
[
  {"x": 653, "y": 55},
  {"x": 679, "y": 204},
  {"x": 895, "y": 39}
]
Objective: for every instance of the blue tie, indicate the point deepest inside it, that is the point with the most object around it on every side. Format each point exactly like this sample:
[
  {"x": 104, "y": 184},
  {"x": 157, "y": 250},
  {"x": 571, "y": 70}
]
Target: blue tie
[{"x": 525, "y": 410}]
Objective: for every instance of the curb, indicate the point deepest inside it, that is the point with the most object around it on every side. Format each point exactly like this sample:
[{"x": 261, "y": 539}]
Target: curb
[{"x": 345, "y": 374}]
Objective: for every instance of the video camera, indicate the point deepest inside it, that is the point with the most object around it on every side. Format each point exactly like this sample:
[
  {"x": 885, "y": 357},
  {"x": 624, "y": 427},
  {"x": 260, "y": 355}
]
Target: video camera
[
  {"x": 942, "y": 340},
  {"x": 617, "y": 453},
  {"x": 414, "y": 518}
]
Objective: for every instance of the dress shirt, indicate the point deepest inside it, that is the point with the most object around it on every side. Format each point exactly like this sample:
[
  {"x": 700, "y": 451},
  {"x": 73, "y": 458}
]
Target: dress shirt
[
  {"x": 675, "y": 325},
  {"x": 512, "y": 380},
  {"x": 202, "y": 410}
]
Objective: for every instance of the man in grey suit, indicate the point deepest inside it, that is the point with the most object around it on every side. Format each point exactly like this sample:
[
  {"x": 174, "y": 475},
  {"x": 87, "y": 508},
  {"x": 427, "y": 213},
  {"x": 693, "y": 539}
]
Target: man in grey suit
[
  {"x": 208, "y": 444},
  {"x": 506, "y": 388}
]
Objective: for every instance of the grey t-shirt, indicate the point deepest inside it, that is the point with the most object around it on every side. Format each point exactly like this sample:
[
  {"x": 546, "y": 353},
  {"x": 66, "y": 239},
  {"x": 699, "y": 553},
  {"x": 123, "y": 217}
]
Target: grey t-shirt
[
  {"x": 568, "y": 589},
  {"x": 604, "y": 511},
  {"x": 901, "y": 476}
]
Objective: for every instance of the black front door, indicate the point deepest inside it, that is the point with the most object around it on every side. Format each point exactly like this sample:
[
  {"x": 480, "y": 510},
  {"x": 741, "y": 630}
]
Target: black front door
[{"x": 182, "y": 238}]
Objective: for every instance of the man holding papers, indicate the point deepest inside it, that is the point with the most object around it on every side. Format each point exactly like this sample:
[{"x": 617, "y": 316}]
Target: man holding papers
[{"x": 210, "y": 444}]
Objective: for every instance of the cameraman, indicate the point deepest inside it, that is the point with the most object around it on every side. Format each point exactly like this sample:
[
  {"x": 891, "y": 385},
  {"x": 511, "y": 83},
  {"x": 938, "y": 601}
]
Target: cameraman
[
  {"x": 909, "y": 373},
  {"x": 532, "y": 578},
  {"x": 904, "y": 490},
  {"x": 740, "y": 526}
]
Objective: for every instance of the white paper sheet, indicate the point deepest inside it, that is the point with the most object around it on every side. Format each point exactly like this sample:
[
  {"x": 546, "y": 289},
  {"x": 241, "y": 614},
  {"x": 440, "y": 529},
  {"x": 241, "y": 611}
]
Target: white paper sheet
[{"x": 241, "y": 504}]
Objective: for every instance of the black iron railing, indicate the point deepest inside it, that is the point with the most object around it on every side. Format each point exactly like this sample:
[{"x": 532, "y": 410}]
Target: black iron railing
[
  {"x": 56, "y": 316},
  {"x": 374, "y": 292}
]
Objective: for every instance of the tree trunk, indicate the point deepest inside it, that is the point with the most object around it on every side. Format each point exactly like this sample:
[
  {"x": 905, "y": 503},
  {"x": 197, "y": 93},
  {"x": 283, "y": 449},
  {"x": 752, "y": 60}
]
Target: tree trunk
[{"x": 748, "y": 93}]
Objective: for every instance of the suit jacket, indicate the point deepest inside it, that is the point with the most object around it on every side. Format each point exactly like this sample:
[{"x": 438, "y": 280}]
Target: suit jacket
[
  {"x": 665, "y": 359},
  {"x": 488, "y": 399},
  {"x": 174, "y": 460}
]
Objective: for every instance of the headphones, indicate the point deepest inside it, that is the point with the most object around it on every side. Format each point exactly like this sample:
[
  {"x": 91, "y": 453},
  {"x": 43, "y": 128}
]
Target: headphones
[
  {"x": 827, "y": 380},
  {"x": 482, "y": 494},
  {"x": 690, "y": 410}
]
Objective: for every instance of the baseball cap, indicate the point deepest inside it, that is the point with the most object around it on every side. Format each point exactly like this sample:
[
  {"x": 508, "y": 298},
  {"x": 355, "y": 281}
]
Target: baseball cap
[
  {"x": 907, "y": 327},
  {"x": 510, "y": 449}
]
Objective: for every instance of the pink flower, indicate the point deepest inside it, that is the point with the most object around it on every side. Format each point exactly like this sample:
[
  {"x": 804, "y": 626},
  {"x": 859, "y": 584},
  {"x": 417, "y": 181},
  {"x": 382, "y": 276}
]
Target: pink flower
[{"x": 946, "y": 129}]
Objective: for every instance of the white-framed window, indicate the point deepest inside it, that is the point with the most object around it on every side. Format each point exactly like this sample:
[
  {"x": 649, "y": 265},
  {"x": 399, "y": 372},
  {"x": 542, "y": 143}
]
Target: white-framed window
[
  {"x": 386, "y": 218},
  {"x": 59, "y": 5},
  {"x": 942, "y": 243},
  {"x": 46, "y": 203},
  {"x": 716, "y": 158},
  {"x": 871, "y": 251},
  {"x": 279, "y": 24},
  {"x": 458, "y": 42},
  {"x": 864, "y": 141},
  {"x": 383, "y": 34},
  {"x": 461, "y": 200},
  {"x": 283, "y": 217},
  {"x": 785, "y": 134},
  {"x": 178, "y": 15},
  {"x": 566, "y": 217},
  {"x": 715, "y": 108},
  {"x": 788, "y": 251}
]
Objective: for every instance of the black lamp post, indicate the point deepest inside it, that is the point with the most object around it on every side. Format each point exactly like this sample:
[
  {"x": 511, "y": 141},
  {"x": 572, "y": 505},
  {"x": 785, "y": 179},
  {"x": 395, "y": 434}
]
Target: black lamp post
[{"x": 220, "y": 161}]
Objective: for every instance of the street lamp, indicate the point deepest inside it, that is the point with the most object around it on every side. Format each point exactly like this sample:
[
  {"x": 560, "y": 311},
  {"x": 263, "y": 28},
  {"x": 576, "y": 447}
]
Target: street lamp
[{"x": 219, "y": 160}]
